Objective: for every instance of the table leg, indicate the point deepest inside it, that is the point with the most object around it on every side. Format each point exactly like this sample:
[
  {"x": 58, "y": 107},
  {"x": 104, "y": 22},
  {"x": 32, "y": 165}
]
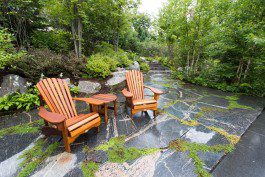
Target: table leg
[
  {"x": 106, "y": 113},
  {"x": 115, "y": 108}
]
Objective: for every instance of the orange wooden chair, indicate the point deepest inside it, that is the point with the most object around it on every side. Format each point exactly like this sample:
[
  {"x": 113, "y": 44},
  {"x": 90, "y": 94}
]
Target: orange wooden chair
[
  {"x": 63, "y": 119},
  {"x": 135, "y": 94}
]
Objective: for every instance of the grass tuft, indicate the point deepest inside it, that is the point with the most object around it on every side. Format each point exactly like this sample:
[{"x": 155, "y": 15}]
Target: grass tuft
[{"x": 31, "y": 127}]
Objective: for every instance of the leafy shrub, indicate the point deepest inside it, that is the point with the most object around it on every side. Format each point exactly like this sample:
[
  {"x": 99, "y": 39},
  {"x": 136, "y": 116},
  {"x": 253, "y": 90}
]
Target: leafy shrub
[
  {"x": 120, "y": 56},
  {"x": 45, "y": 62},
  {"x": 144, "y": 67},
  {"x": 58, "y": 41},
  {"x": 97, "y": 66},
  {"x": 7, "y": 50},
  {"x": 23, "y": 101},
  {"x": 164, "y": 61}
]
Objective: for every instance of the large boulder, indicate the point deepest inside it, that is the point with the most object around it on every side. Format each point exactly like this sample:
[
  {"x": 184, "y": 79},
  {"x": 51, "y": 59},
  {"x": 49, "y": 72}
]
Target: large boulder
[
  {"x": 88, "y": 87},
  {"x": 135, "y": 66},
  {"x": 117, "y": 78},
  {"x": 13, "y": 83}
]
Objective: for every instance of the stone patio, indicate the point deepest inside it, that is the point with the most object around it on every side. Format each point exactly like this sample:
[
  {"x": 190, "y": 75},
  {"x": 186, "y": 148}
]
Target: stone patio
[{"x": 189, "y": 113}]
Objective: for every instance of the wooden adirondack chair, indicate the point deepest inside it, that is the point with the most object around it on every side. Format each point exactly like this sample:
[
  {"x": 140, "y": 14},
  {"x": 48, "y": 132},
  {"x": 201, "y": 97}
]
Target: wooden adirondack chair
[
  {"x": 135, "y": 94},
  {"x": 63, "y": 119}
]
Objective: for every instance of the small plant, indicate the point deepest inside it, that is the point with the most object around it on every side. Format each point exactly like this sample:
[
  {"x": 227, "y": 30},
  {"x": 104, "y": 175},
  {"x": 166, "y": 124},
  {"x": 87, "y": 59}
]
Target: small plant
[
  {"x": 89, "y": 169},
  {"x": 74, "y": 90},
  {"x": 144, "y": 67},
  {"x": 23, "y": 101}
]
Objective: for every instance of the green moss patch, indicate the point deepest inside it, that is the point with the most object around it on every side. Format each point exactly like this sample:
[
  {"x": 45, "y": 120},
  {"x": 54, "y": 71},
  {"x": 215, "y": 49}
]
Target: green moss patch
[
  {"x": 194, "y": 148},
  {"x": 190, "y": 123},
  {"x": 232, "y": 138},
  {"x": 35, "y": 156},
  {"x": 205, "y": 110},
  {"x": 31, "y": 127},
  {"x": 117, "y": 152},
  {"x": 233, "y": 104},
  {"x": 89, "y": 168}
]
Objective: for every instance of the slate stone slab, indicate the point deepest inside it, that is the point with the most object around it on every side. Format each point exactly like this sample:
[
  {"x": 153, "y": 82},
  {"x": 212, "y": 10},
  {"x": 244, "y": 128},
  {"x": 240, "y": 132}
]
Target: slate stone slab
[
  {"x": 159, "y": 135},
  {"x": 175, "y": 164}
]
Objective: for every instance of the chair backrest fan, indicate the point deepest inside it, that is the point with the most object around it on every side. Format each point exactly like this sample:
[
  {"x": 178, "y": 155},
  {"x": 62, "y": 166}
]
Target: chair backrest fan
[
  {"x": 135, "y": 84},
  {"x": 56, "y": 94}
]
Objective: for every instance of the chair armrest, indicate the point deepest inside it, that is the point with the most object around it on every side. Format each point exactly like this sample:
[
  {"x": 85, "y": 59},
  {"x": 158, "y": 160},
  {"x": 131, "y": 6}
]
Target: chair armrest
[
  {"x": 51, "y": 117},
  {"x": 154, "y": 90},
  {"x": 126, "y": 93},
  {"x": 92, "y": 101}
]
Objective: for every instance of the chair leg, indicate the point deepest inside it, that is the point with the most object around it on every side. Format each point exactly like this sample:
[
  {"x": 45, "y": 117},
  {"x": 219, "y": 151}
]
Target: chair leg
[
  {"x": 65, "y": 139},
  {"x": 97, "y": 129},
  {"x": 154, "y": 113}
]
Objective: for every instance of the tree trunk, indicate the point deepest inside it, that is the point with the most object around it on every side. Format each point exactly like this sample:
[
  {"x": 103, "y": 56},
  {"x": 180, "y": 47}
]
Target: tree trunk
[
  {"x": 197, "y": 60},
  {"x": 74, "y": 38},
  {"x": 79, "y": 30},
  {"x": 239, "y": 69},
  {"x": 247, "y": 69}
]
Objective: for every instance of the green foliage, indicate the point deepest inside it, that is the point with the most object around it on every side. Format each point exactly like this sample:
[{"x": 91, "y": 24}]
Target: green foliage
[
  {"x": 224, "y": 54},
  {"x": 31, "y": 127},
  {"x": 89, "y": 169},
  {"x": 118, "y": 153},
  {"x": 35, "y": 156},
  {"x": 74, "y": 90},
  {"x": 23, "y": 101},
  {"x": 58, "y": 41},
  {"x": 8, "y": 53},
  {"x": 45, "y": 62},
  {"x": 120, "y": 57},
  {"x": 98, "y": 66},
  {"x": 144, "y": 67}
]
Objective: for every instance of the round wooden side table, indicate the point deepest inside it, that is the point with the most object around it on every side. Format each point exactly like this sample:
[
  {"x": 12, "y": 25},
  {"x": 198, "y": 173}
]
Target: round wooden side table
[{"x": 106, "y": 99}]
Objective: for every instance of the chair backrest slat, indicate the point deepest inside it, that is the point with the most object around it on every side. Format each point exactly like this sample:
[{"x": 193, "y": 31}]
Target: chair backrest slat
[
  {"x": 135, "y": 84},
  {"x": 56, "y": 94}
]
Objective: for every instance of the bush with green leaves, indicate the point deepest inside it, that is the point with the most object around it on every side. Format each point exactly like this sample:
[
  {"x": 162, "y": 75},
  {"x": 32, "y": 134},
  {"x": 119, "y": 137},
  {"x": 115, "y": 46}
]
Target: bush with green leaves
[
  {"x": 8, "y": 53},
  {"x": 19, "y": 101},
  {"x": 120, "y": 56},
  {"x": 98, "y": 66},
  {"x": 45, "y": 62},
  {"x": 144, "y": 67},
  {"x": 57, "y": 41}
]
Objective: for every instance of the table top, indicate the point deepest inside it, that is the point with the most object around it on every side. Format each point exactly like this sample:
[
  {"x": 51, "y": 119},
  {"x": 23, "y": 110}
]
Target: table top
[{"x": 106, "y": 98}]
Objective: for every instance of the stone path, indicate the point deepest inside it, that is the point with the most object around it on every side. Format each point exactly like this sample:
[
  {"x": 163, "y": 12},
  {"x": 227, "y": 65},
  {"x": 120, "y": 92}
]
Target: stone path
[
  {"x": 194, "y": 130},
  {"x": 249, "y": 156}
]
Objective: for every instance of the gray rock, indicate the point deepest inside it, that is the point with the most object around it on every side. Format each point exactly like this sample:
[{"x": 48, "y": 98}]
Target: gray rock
[
  {"x": 68, "y": 81},
  {"x": 13, "y": 83},
  {"x": 135, "y": 66},
  {"x": 143, "y": 59},
  {"x": 88, "y": 87},
  {"x": 117, "y": 78}
]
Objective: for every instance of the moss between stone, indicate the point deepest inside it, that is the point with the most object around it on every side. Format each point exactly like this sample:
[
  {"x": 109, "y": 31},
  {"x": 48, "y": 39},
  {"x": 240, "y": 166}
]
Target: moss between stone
[
  {"x": 204, "y": 110},
  {"x": 190, "y": 123},
  {"x": 31, "y": 127},
  {"x": 117, "y": 153},
  {"x": 89, "y": 168},
  {"x": 232, "y": 138},
  {"x": 194, "y": 148},
  {"x": 234, "y": 104},
  {"x": 35, "y": 156}
]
